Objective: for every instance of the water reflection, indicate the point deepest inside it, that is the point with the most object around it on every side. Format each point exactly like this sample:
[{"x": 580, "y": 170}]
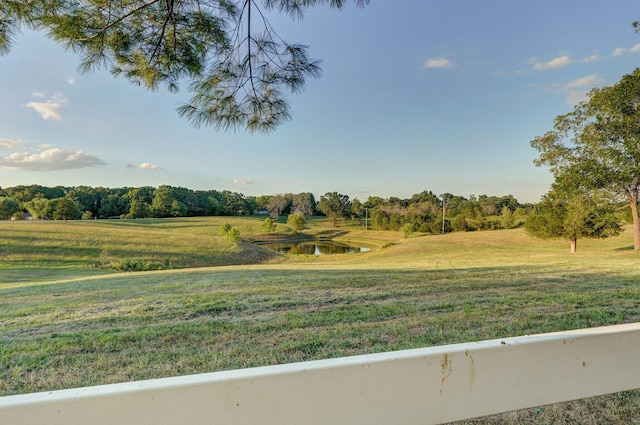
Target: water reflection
[{"x": 314, "y": 248}]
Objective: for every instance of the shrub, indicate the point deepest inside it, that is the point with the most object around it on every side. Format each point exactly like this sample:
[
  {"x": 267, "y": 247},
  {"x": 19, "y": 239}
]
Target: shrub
[
  {"x": 224, "y": 229},
  {"x": 233, "y": 236},
  {"x": 296, "y": 221},
  {"x": 230, "y": 234},
  {"x": 136, "y": 266},
  {"x": 19, "y": 215},
  {"x": 459, "y": 223},
  {"x": 407, "y": 229},
  {"x": 268, "y": 226}
]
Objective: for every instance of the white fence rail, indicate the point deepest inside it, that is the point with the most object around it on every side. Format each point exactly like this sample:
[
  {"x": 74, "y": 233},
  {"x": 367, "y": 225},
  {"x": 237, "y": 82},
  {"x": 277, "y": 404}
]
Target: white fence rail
[{"x": 422, "y": 386}]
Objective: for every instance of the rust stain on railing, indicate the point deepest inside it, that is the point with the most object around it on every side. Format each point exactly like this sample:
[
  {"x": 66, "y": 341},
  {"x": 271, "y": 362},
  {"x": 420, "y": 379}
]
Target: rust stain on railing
[{"x": 447, "y": 370}]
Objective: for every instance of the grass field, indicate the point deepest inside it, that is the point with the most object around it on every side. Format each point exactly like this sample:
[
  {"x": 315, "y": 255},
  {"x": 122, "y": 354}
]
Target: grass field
[{"x": 69, "y": 318}]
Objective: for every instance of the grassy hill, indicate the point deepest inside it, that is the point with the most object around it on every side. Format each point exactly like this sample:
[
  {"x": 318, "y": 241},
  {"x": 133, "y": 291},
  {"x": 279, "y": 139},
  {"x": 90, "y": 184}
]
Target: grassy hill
[{"x": 69, "y": 318}]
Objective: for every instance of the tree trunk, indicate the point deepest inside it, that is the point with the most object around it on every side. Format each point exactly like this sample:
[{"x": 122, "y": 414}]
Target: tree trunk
[
  {"x": 633, "y": 203},
  {"x": 574, "y": 245}
]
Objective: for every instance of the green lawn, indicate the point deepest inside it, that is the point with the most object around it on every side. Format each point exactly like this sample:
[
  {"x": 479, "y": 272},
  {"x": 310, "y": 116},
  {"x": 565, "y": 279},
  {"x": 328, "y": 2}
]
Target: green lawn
[
  {"x": 34, "y": 250},
  {"x": 68, "y": 318}
]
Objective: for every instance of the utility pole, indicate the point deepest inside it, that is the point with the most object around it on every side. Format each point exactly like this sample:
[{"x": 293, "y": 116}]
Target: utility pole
[
  {"x": 366, "y": 218},
  {"x": 444, "y": 207}
]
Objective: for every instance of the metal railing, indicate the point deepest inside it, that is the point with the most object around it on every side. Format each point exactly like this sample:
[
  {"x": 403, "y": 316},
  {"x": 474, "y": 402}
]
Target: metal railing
[{"x": 422, "y": 386}]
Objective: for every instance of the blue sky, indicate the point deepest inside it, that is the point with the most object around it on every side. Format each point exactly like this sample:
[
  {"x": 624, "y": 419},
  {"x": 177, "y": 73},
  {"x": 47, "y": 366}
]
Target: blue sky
[{"x": 415, "y": 95}]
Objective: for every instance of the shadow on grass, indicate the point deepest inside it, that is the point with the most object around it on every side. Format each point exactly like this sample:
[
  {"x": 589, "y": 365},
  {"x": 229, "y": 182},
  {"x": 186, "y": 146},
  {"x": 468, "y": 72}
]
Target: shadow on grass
[
  {"x": 625, "y": 248},
  {"x": 331, "y": 233}
]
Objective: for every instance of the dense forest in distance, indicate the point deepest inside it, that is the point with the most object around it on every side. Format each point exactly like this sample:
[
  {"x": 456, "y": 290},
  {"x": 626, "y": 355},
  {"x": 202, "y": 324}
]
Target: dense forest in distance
[{"x": 425, "y": 210}]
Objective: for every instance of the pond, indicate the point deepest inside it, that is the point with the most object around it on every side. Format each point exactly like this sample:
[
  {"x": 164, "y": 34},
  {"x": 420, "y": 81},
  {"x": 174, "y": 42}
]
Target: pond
[{"x": 314, "y": 247}]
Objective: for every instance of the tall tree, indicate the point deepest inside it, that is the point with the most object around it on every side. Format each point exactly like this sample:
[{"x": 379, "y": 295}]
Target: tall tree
[
  {"x": 67, "y": 209},
  {"x": 207, "y": 203},
  {"x": 357, "y": 209},
  {"x": 234, "y": 203},
  {"x": 507, "y": 220},
  {"x": 163, "y": 199},
  {"x": 236, "y": 63},
  {"x": 8, "y": 206},
  {"x": 36, "y": 206},
  {"x": 87, "y": 197},
  {"x": 335, "y": 206},
  {"x": 303, "y": 203},
  {"x": 276, "y": 206},
  {"x": 141, "y": 199},
  {"x": 139, "y": 209},
  {"x": 116, "y": 203},
  {"x": 599, "y": 144}
]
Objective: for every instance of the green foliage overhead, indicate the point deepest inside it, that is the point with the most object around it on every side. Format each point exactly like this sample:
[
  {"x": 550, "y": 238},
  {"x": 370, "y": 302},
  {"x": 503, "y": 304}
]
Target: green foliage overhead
[{"x": 235, "y": 64}]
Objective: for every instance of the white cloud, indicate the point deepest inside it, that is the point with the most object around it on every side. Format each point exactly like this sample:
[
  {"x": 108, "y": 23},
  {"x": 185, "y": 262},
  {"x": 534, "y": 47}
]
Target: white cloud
[
  {"x": 243, "y": 181},
  {"x": 592, "y": 58},
  {"x": 147, "y": 166},
  {"x": 49, "y": 110},
  {"x": 588, "y": 81},
  {"x": 560, "y": 61},
  {"x": 71, "y": 81},
  {"x": 574, "y": 97},
  {"x": 439, "y": 63},
  {"x": 576, "y": 90},
  {"x": 553, "y": 63},
  {"x": 50, "y": 160},
  {"x": 11, "y": 143},
  {"x": 144, "y": 166},
  {"x": 623, "y": 50},
  {"x": 619, "y": 51}
]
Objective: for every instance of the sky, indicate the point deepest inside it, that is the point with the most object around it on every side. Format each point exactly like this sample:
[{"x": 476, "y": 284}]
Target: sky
[{"x": 437, "y": 95}]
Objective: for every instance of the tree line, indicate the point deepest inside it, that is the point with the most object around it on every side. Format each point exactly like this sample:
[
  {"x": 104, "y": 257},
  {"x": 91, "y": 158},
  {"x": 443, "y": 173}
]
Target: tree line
[
  {"x": 423, "y": 212},
  {"x": 71, "y": 203}
]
